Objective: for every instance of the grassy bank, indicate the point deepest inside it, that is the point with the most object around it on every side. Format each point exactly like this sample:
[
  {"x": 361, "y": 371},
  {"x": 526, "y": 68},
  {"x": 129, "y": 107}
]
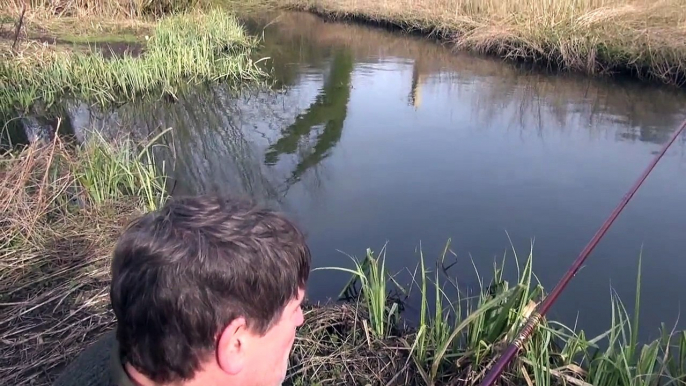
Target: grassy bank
[
  {"x": 156, "y": 57},
  {"x": 63, "y": 207},
  {"x": 65, "y": 204},
  {"x": 644, "y": 38}
]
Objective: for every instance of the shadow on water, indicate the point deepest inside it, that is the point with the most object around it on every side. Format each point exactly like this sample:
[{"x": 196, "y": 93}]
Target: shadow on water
[{"x": 368, "y": 136}]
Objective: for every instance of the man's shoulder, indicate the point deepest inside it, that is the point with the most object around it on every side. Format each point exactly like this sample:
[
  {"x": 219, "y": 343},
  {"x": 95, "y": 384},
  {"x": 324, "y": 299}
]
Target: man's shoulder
[{"x": 92, "y": 367}]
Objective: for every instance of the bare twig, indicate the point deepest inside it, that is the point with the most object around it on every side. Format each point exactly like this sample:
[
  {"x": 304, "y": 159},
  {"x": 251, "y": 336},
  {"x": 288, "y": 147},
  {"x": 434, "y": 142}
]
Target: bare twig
[{"x": 20, "y": 22}]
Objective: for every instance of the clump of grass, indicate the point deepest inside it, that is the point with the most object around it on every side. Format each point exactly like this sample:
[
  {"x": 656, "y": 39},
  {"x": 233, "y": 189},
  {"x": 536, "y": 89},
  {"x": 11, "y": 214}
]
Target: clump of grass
[
  {"x": 450, "y": 343},
  {"x": 187, "y": 48},
  {"x": 108, "y": 171},
  {"x": 63, "y": 207},
  {"x": 371, "y": 272},
  {"x": 459, "y": 340},
  {"x": 642, "y": 37}
]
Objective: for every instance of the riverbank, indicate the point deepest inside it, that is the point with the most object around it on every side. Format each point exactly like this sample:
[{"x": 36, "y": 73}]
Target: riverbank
[
  {"x": 643, "y": 39},
  {"x": 104, "y": 54},
  {"x": 65, "y": 204}
]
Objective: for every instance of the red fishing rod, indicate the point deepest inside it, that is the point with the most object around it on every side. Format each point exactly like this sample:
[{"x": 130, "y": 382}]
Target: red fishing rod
[{"x": 543, "y": 307}]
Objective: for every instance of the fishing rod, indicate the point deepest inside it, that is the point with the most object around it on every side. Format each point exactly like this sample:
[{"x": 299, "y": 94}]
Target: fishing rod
[{"x": 544, "y": 306}]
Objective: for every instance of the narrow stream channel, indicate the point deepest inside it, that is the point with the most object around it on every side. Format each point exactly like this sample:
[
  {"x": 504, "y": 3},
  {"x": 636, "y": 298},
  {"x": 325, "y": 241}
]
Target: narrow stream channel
[{"x": 373, "y": 137}]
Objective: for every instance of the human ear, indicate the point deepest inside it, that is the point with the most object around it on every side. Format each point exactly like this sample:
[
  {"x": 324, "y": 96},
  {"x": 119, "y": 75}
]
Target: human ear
[{"x": 231, "y": 349}]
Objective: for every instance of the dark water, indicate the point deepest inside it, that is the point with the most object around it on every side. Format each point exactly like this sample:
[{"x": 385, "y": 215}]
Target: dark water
[{"x": 373, "y": 138}]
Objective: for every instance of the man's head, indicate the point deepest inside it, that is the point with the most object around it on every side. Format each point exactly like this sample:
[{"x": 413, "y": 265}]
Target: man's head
[{"x": 209, "y": 287}]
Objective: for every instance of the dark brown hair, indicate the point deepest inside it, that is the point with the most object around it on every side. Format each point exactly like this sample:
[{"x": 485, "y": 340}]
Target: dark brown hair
[{"x": 184, "y": 272}]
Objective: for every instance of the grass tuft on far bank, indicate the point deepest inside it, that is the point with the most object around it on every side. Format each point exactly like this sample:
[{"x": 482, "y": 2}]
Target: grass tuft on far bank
[
  {"x": 186, "y": 48},
  {"x": 645, "y": 38}
]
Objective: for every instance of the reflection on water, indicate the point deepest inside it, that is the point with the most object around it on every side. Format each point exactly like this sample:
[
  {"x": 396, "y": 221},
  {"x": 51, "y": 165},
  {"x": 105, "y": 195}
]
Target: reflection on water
[
  {"x": 370, "y": 137},
  {"x": 326, "y": 112}
]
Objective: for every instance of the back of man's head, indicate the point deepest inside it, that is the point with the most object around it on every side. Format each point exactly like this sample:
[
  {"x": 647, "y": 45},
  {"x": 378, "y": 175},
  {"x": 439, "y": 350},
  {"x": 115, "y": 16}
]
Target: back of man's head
[{"x": 183, "y": 273}]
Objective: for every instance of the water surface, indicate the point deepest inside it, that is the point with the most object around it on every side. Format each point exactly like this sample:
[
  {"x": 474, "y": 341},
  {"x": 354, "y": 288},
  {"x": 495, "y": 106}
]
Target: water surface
[{"x": 372, "y": 137}]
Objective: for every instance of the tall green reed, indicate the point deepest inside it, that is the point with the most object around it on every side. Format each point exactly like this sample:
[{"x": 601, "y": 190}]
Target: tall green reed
[
  {"x": 48, "y": 182},
  {"x": 447, "y": 333},
  {"x": 109, "y": 170},
  {"x": 371, "y": 273},
  {"x": 624, "y": 361}
]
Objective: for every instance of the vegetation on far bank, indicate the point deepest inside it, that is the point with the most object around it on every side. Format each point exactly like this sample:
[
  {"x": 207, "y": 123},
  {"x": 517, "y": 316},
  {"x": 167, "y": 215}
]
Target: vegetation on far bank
[
  {"x": 65, "y": 204},
  {"x": 181, "y": 48},
  {"x": 642, "y": 37},
  {"x": 115, "y": 50}
]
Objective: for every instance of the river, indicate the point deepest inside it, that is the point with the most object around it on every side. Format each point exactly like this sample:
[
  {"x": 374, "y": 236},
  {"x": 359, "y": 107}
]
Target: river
[{"x": 372, "y": 137}]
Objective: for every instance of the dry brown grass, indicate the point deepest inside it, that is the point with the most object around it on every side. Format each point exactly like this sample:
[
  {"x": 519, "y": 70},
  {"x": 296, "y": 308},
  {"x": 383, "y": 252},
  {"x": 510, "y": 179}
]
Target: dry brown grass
[
  {"x": 643, "y": 37},
  {"x": 336, "y": 346},
  {"x": 111, "y": 8},
  {"x": 54, "y": 264}
]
